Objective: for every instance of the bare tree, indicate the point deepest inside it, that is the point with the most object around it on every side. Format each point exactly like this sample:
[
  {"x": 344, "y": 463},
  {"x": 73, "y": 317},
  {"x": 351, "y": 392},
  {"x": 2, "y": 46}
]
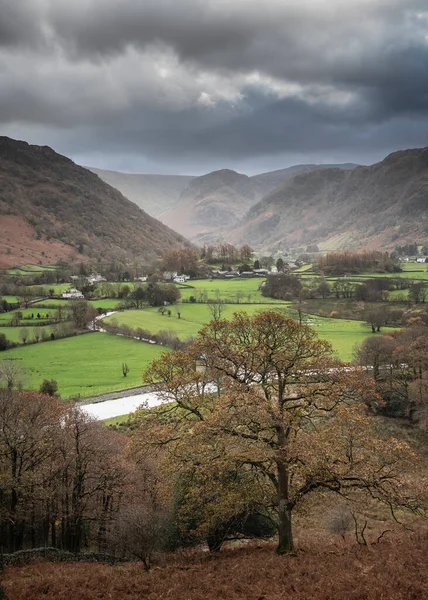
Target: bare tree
[
  {"x": 216, "y": 309},
  {"x": 11, "y": 374}
]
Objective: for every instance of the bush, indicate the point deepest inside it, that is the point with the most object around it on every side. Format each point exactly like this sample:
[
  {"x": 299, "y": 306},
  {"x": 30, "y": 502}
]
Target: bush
[{"x": 49, "y": 387}]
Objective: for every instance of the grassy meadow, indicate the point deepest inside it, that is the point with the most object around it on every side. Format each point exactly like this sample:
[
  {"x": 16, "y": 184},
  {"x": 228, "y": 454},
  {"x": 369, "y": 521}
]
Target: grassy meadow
[
  {"x": 13, "y": 333},
  {"x": 192, "y": 317},
  {"x": 341, "y": 333},
  {"x": 24, "y": 270},
  {"x": 85, "y": 365},
  {"x": 111, "y": 303},
  {"x": 45, "y": 313},
  {"x": 232, "y": 290}
]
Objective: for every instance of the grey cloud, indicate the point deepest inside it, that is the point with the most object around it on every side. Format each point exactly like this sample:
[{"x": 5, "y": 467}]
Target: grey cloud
[{"x": 172, "y": 81}]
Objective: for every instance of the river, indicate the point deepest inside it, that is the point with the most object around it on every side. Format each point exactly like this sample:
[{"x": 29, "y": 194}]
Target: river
[{"x": 120, "y": 406}]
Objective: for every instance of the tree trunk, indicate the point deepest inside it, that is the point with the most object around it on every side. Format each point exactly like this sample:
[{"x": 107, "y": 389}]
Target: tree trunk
[{"x": 285, "y": 532}]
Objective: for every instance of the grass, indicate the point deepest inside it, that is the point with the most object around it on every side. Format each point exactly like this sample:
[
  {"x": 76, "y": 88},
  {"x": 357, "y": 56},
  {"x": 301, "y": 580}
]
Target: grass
[
  {"x": 193, "y": 317},
  {"x": 54, "y": 302},
  {"x": 58, "y": 288},
  {"x": 31, "y": 269},
  {"x": 247, "y": 290},
  {"x": 85, "y": 365},
  {"x": 26, "y": 314},
  {"x": 116, "y": 420},
  {"x": 10, "y": 299},
  {"x": 12, "y": 333}
]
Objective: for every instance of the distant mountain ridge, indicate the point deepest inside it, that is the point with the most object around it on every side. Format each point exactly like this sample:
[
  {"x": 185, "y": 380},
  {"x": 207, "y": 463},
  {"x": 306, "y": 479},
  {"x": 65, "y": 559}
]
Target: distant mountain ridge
[
  {"x": 215, "y": 203},
  {"x": 51, "y": 208},
  {"x": 155, "y": 194},
  {"x": 379, "y": 206}
]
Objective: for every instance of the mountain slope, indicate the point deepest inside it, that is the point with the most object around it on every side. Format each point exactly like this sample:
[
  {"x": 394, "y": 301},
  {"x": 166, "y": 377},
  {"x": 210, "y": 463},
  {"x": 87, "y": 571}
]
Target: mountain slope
[
  {"x": 369, "y": 207},
  {"x": 155, "y": 194},
  {"x": 215, "y": 203},
  {"x": 71, "y": 210},
  {"x": 273, "y": 179}
]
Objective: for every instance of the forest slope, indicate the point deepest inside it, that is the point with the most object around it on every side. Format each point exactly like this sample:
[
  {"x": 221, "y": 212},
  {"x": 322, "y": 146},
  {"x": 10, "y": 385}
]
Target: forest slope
[{"x": 368, "y": 207}]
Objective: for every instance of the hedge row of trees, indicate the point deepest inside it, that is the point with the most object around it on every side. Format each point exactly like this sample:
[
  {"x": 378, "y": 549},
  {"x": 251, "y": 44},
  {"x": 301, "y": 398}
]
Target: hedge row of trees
[{"x": 339, "y": 263}]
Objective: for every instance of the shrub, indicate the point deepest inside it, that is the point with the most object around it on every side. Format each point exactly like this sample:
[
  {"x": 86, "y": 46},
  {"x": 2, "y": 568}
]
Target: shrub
[{"x": 49, "y": 387}]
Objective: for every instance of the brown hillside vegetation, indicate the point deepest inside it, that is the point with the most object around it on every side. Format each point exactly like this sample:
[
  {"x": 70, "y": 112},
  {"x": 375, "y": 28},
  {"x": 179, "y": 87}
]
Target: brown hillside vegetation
[
  {"x": 369, "y": 207},
  {"x": 19, "y": 245},
  {"x": 390, "y": 570},
  {"x": 64, "y": 202}
]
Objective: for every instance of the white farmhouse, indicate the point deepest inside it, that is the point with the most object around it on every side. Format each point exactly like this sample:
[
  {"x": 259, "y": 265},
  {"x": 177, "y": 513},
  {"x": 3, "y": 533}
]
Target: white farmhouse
[
  {"x": 179, "y": 279},
  {"x": 169, "y": 275},
  {"x": 72, "y": 293}
]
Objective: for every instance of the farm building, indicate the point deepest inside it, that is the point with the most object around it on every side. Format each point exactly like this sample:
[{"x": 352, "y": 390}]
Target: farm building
[{"x": 72, "y": 293}]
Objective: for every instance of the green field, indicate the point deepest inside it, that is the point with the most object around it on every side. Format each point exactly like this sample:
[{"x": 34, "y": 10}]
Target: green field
[
  {"x": 232, "y": 290},
  {"x": 31, "y": 269},
  {"x": 55, "y": 302},
  {"x": 10, "y": 299},
  {"x": 58, "y": 288},
  {"x": 12, "y": 333},
  {"x": 193, "y": 317},
  {"x": 116, "y": 420},
  {"x": 341, "y": 333},
  {"x": 85, "y": 365},
  {"x": 26, "y": 314}
]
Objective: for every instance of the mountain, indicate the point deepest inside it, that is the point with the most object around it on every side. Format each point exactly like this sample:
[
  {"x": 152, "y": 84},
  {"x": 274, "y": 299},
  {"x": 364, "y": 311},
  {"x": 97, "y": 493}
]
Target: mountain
[
  {"x": 215, "y": 203},
  {"x": 212, "y": 202},
  {"x": 155, "y": 194},
  {"x": 51, "y": 209},
  {"x": 374, "y": 207}
]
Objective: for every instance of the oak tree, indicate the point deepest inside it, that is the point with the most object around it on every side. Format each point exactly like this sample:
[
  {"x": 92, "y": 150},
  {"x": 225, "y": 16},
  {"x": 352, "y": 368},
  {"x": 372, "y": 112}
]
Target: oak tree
[{"x": 258, "y": 408}]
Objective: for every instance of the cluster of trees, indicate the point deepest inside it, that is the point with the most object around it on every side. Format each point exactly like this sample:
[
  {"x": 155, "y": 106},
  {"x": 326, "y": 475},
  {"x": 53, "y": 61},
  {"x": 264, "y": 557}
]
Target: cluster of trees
[
  {"x": 282, "y": 286},
  {"x": 152, "y": 294},
  {"x": 62, "y": 475},
  {"x": 227, "y": 254},
  {"x": 183, "y": 260},
  {"x": 339, "y": 263},
  {"x": 411, "y": 250},
  {"x": 399, "y": 367},
  {"x": 257, "y": 417}
]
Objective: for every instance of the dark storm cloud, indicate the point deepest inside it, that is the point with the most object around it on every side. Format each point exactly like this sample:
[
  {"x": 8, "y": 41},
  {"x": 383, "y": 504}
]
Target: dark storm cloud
[
  {"x": 18, "y": 25},
  {"x": 195, "y": 82}
]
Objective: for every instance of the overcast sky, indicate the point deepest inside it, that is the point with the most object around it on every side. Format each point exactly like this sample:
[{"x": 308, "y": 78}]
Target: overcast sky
[{"x": 190, "y": 86}]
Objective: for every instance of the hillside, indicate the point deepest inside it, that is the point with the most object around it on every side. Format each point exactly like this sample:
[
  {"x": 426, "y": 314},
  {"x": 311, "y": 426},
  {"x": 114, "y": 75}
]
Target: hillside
[
  {"x": 212, "y": 202},
  {"x": 51, "y": 209},
  {"x": 369, "y": 207},
  {"x": 273, "y": 179},
  {"x": 216, "y": 202},
  {"x": 155, "y": 194}
]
